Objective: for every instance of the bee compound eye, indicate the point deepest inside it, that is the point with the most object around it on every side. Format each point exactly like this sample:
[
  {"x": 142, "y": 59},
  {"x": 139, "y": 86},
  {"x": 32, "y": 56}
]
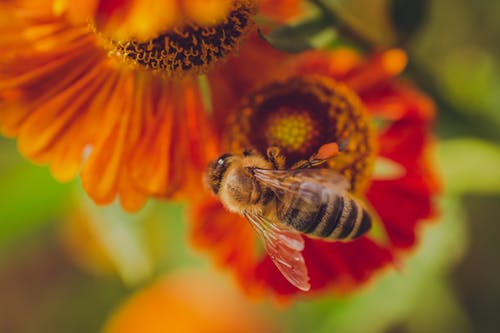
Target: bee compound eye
[{"x": 222, "y": 160}]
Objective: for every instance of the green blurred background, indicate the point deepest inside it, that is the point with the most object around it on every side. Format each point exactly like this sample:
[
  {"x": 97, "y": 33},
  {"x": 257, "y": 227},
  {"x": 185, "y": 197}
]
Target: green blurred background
[{"x": 451, "y": 284}]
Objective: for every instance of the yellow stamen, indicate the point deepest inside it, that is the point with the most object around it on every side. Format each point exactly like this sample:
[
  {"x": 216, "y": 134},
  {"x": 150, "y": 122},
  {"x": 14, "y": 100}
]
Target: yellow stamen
[{"x": 290, "y": 128}]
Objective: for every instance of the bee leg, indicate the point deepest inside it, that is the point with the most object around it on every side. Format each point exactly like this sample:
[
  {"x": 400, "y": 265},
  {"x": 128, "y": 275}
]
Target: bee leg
[
  {"x": 324, "y": 153},
  {"x": 276, "y": 157},
  {"x": 304, "y": 164}
]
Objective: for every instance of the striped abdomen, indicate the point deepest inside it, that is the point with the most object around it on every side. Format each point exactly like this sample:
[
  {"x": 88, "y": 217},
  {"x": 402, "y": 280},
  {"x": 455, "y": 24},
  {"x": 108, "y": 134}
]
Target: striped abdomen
[{"x": 323, "y": 212}]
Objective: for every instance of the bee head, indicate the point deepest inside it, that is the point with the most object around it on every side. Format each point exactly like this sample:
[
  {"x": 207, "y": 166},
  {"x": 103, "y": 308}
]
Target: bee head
[{"x": 216, "y": 171}]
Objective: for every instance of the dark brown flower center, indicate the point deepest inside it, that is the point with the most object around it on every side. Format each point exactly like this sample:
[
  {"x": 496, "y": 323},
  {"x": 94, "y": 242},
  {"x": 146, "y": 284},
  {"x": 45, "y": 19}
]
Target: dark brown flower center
[
  {"x": 300, "y": 115},
  {"x": 190, "y": 49}
]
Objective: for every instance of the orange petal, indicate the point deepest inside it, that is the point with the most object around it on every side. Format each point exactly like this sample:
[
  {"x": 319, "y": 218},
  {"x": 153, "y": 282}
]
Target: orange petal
[
  {"x": 100, "y": 173},
  {"x": 378, "y": 68},
  {"x": 281, "y": 10},
  {"x": 190, "y": 301},
  {"x": 206, "y": 12},
  {"x": 45, "y": 123},
  {"x": 151, "y": 164},
  {"x": 336, "y": 64},
  {"x": 228, "y": 237}
]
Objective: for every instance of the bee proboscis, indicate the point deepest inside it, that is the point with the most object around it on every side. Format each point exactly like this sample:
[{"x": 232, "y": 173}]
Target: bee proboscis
[{"x": 281, "y": 203}]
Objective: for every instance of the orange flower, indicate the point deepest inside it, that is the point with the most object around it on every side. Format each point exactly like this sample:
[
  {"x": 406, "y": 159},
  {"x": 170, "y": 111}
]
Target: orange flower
[
  {"x": 320, "y": 97},
  {"x": 187, "y": 302},
  {"x": 130, "y": 111}
]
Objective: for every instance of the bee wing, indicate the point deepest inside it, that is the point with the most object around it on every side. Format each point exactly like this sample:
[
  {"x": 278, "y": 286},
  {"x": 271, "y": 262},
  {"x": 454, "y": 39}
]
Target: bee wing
[
  {"x": 312, "y": 180},
  {"x": 284, "y": 247}
]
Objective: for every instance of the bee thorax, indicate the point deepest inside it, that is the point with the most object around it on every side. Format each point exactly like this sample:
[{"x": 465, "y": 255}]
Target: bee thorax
[{"x": 238, "y": 190}]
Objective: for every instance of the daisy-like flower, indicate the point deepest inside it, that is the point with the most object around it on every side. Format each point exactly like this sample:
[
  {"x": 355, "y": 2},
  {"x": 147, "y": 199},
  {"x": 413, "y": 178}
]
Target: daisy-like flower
[
  {"x": 110, "y": 88},
  {"x": 323, "y": 97}
]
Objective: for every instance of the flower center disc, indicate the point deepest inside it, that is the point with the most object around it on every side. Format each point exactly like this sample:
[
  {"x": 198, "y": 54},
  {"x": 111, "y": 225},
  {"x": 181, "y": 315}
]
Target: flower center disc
[
  {"x": 300, "y": 115},
  {"x": 291, "y": 128},
  {"x": 192, "y": 48}
]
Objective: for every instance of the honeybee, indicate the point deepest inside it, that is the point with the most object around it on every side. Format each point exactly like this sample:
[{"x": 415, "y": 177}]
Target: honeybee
[{"x": 281, "y": 203}]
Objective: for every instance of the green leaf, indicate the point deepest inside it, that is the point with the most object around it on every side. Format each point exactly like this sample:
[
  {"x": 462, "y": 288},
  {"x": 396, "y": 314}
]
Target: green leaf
[
  {"x": 301, "y": 36},
  {"x": 29, "y": 196},
  {"x": 177, "y": 246},
  {"x": 470, "y": 165}
]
